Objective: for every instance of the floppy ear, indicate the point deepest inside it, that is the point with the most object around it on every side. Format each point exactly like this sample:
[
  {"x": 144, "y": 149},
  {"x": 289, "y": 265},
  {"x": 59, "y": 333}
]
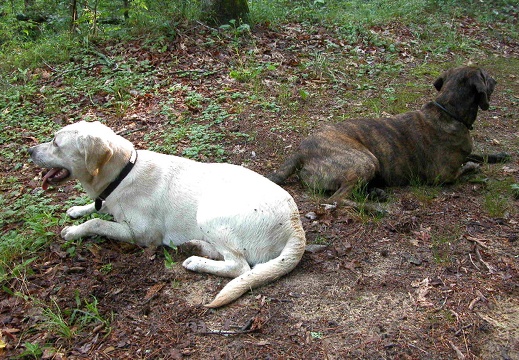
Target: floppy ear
[
  {"x": 438, "y": 83},
  {"x": 485, "y": 85},
  {"x": 97, "y": 153}
]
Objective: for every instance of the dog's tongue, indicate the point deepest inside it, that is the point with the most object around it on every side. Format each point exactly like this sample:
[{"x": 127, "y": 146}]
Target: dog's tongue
[{"x": 48, "y": 175}]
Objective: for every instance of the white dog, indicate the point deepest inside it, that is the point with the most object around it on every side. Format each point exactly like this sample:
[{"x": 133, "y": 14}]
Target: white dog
[{"x": 248, "y": 226}]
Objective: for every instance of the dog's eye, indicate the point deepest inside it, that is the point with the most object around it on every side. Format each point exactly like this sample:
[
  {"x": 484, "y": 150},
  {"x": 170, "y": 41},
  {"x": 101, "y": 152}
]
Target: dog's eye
[{"x": 55, "y": 143}]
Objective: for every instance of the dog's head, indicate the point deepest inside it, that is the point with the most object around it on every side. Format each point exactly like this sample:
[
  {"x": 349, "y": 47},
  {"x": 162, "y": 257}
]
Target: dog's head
[
  {"x": 467, "y": 83},
  {"x": 79, "y": 151}
]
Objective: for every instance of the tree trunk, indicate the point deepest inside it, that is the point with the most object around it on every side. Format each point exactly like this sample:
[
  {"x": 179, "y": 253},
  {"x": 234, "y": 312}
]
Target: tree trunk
[
  {"x": 126, "y": 6},
  {"x": 218, "y": 12},
  {"x": 73, "y": 15}
]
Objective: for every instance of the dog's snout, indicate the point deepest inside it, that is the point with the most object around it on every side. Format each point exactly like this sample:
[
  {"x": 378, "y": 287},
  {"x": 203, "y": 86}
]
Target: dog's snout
[{"x": 31, "y": 150}]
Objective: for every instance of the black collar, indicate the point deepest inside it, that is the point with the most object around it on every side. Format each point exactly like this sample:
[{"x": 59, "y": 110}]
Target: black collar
[
  {"x": 111, "y": 187},
  {"x": 451, "y": 114}
]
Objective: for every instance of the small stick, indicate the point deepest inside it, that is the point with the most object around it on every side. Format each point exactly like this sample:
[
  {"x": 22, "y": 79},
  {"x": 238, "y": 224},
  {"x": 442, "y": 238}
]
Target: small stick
[
  {"x": 480, "y": 259},
  {"x": 470, "y": 257},
  {"x": 458, "y": 352},
  {"x": 477, "y": 241}
]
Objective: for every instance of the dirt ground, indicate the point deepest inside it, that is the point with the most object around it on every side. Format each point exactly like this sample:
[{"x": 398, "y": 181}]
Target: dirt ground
[{"x": 437, "y": 278}]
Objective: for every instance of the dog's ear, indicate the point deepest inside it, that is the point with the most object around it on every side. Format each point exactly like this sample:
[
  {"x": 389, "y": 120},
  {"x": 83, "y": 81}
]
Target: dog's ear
[
  {"x": 438, "y": 83},
  {"x": 97, "y": 153},
  {"x": 485, "y": 85}
]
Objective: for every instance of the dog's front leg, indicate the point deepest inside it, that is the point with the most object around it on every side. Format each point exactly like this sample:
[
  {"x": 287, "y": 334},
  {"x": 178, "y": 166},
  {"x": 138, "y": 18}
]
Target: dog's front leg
[
  {"x": 78, "y": 211},
  {"x": 468, "y": 168},
  {"x": 110, "y": 229}
]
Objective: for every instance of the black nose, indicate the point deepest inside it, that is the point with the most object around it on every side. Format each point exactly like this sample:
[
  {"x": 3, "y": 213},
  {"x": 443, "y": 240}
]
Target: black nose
[{"x": 31, "y": 150}]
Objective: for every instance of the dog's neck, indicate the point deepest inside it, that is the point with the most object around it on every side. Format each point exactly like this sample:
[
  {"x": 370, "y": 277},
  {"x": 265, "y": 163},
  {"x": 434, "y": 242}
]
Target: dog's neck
[
  {"x": 95, "y": 185},
  {"x": 113, "y": 185},
  {"x": 451, "y": 114},
  {"x": 466, "y": 118}
]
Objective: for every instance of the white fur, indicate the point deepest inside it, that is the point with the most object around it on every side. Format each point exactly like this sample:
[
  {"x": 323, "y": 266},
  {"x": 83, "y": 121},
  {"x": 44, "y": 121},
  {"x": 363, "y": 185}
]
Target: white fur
[{"x": 224, "y": 210}]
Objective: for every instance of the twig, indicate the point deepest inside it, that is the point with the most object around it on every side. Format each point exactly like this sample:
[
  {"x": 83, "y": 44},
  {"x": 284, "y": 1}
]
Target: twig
[
  {"x": 477, "y": 241},
  {"x": 470, "y": 257},
  {"x": 458, "y": 352},
  {"x": 130, "y": 131},
  {"x": 473, "y": 302},
  {"x": 463, "y": 328},
  {"x": 225, "y": 332},
  {"x": 480, "y": 259},
  {"x": 480, "y": 297},
  {"x": 214, "y": 29}
]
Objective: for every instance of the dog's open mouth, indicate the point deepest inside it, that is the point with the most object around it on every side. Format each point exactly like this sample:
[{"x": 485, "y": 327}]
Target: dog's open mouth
[{"x": 54, "y": 176}]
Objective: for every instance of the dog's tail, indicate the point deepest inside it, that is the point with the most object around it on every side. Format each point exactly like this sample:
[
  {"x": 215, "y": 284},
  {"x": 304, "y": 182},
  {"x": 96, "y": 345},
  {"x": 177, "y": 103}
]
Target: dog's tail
[
  {"x": 267, "y": 272},
  {"x": 290, "y": 166}
]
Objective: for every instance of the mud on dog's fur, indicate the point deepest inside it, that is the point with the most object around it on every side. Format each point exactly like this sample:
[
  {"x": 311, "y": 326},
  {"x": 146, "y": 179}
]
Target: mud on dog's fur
[
  {"x": 429, "y": 145},
  {"x": 248, "y": 226}
]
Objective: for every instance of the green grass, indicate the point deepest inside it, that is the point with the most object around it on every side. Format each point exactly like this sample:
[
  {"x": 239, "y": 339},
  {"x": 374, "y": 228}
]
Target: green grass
[
  {"x": 499, "y": 196},
  {"x": 443, "y": 244}
]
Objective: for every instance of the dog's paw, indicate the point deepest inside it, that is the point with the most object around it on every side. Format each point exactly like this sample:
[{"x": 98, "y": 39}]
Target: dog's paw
[
  {"x": 194, "y": 263},
  {"x": 70, "y": 233},
  {"x": 78, "y": 211}
]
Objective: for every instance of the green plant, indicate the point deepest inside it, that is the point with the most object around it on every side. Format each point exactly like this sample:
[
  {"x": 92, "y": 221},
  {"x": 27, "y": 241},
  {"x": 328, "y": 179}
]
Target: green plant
[
  {"x": 515, "y": 190},
  {"x": 90, "y": 315},
  {"x": 55, "y": 321},
  {"x": 316, "y": 335},
  {"x": 33, "y": 350},
  {"x": 321, "y": 240},
  {"x": 168, "y": 259},
  {"x": 443, "y": 243},
  {"x": 106, "y": 268},
  {"x": 498, "y": 199}
]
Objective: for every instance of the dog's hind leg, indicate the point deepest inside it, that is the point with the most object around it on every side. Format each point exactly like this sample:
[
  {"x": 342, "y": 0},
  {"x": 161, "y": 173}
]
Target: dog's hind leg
[
  {"x": 363, "y": 173},
  {"x": 232, "y": 266},
  {"x": 201, "y": 248},
  {"x": 290, "y": 166},
  {"x": 223, "y": 241}
]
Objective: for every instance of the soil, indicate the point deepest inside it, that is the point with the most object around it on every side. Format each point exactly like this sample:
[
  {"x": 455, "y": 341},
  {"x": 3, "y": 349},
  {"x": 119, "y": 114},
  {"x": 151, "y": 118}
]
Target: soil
[{"x": 436, "y": 278}]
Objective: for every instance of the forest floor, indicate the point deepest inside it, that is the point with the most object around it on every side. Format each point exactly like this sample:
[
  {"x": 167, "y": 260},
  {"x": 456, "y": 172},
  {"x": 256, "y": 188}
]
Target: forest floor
[{"x": 436, "y": 278}]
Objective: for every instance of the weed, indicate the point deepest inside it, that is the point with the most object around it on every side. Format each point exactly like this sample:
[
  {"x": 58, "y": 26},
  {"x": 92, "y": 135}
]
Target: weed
[
  {"x": 68, "y": 323},
  {"x": 321, "y": 240},
  {"x": 515, "y": 190},
  {"x": 499, "y": 196},
  {"x": 32, "y": 350},
  {"x": 106, "y": 268},
  {"x": 90, "y": 315},
  {"x": 443, "y": 242},
  {"x": 55, "y": 321},
  {"x": 316, "y": 335},
  {"x": 424, "y": 193},
  {"x": 168, "y": 259}
]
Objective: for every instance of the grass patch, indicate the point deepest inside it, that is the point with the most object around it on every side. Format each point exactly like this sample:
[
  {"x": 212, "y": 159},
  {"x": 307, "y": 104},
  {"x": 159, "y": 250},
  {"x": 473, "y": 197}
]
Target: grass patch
[
  {"x": 499, "y": 197},
  {"x": 443, "y": 244}
]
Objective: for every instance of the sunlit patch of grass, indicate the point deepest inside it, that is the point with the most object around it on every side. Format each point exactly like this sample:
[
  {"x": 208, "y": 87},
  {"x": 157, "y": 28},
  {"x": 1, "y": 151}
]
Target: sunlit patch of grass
[
  {"x": 499, "y": 198},
  {"x": 443, "y": 243}
]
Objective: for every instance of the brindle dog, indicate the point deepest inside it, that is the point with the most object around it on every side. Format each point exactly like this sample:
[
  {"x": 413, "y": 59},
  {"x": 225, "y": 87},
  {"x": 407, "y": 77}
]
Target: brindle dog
[{"x": 429, "y": 145}]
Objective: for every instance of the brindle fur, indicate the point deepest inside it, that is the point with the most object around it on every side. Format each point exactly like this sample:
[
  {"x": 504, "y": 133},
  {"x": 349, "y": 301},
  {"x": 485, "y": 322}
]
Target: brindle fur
[{"x": 428, "y": 145}]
